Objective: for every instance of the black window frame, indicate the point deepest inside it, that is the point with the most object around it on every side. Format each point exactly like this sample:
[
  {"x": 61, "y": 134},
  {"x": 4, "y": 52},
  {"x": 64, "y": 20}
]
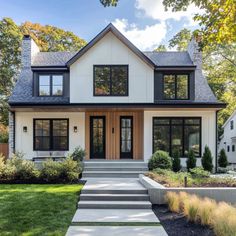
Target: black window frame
[
  {"x": 110, "y": 82},
  {"x": 231, "y": 124},
  {"x": 50, "y": 134},
  {"x": 175, "y": 74},
  {"x": 233, "y": 148},
  {"x": 228, "y": 148},
  {"x": 182, "y": 155},
  {"x": 50, "y": 83}
]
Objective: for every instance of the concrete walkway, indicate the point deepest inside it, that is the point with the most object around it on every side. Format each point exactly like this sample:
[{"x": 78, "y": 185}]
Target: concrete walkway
[{"x": 114, "y": 206}]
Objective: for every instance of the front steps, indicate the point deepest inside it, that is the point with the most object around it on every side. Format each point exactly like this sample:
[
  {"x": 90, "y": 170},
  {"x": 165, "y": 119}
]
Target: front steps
[{"x": 114, "y": 169}]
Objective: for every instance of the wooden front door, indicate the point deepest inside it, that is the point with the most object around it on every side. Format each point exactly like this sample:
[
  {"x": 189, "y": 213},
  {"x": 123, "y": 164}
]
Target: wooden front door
[
  {"x": 126, "y": 137},
  {"x": 97, "y": 137}
]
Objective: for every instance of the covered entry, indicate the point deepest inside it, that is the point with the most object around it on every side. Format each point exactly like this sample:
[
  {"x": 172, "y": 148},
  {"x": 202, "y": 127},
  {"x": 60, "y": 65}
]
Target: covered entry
[{"x": 114, "y": 135}]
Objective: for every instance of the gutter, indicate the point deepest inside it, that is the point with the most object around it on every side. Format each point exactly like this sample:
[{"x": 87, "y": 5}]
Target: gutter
[{"x": 216, "y": 148}]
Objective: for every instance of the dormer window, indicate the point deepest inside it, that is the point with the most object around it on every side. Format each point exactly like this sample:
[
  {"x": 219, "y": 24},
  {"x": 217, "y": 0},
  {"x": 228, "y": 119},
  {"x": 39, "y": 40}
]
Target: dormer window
[
  {"x": 50, "y": 85},
  {"x": 176, "y": 86}
]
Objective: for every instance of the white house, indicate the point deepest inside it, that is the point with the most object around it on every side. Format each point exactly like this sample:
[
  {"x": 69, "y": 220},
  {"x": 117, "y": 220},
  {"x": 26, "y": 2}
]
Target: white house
[
  {"x": 113, "y": 100},
  {"x": 228, "y": 139}
]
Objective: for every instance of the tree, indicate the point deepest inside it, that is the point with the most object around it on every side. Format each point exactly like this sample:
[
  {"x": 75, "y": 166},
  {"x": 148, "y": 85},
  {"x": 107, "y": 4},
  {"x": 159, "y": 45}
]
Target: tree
[
  {"x": 51, "y": 38},
  {"x": 48, "y": 38},
  {"x": 176, "y": 166},
  {"x": 207, "y": 159},
  {"x": 108, "y": 3},
  {"x": 223, "y": 160},
  {"x": 10, "y": 41},
  {"x": 217, "y": 22},
  {"x": 191, "y": 160},
  {"x": 161, "y": 48},
  {"x": 181, "y": 40}
]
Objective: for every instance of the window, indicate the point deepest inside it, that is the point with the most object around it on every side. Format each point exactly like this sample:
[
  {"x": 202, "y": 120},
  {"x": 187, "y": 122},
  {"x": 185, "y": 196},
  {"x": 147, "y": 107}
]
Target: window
[
  {"x": 182, "y": 134},
  {"x": 111, "y": 80},
  {"x": 51, "y": 85},
  {"x": 176, "y": 87},
  {"x": 228, "y": 148},
  {"x": 233, "y": 148},
  {"x": 231, "y": 124},
  {"x": 51, "y": 134}
]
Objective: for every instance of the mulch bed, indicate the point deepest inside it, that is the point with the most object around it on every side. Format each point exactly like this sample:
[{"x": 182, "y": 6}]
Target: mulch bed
[{"x": 177, "y": 225}]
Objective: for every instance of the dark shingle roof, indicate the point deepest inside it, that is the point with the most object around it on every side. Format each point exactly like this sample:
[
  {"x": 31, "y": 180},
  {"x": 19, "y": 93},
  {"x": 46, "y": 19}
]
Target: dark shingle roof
[
  {"x": 52, "y": 58},
  {"x": 170, "y": 58}
]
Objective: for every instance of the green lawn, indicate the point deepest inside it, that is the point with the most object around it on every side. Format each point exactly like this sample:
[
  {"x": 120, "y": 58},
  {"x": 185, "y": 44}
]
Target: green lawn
[{"x": 35, "y": 209}]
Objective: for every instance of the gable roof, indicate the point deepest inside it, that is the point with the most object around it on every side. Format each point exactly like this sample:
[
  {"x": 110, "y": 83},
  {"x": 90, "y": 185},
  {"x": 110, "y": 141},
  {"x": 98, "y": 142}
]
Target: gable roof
[
  {"x": 120, "y": 36},
  {"x": 229, "y": 119},
  {"x": 170, "y": 58}
]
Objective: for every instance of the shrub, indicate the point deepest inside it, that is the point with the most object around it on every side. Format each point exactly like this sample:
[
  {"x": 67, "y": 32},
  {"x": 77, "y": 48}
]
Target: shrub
[
  {"x": 191, "y": 208},
  {"x": 78, "y": 154},
  {"x": 176, "y": 161},
  {"x": 21, "y": 169},
  {"x": 70, "y": 170},
  {"x": 3, "y": 134},
  {"x": 160, "y": 159},
  {"x": 191, "y": 160},
  {"x": 199, "y": 172},
  {"x": 6, "y": 172},
  {"x": 51, "y": 171},
  {"x": 207, "y": 159},
  {"x": 223, "y": 161}
]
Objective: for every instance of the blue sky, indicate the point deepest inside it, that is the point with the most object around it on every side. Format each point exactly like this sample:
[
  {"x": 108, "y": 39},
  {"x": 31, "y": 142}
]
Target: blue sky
[{"x": 144, "y": 22}]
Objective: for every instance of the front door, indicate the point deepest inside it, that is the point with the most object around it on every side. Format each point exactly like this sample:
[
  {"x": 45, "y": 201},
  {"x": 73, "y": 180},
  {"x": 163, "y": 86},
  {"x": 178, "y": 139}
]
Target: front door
[
  {"x": 97, "y": 137},
  {"x": 126, "y": 137}
]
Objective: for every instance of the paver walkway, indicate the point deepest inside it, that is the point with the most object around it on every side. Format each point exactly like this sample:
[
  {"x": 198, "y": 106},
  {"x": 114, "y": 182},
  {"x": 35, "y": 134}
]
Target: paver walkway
[{"x": 114, "y": 206}]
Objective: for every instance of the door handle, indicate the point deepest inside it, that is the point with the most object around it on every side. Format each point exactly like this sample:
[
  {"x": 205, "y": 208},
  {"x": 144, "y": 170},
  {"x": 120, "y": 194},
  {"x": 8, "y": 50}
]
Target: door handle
[{"x": 113, "y": 130}]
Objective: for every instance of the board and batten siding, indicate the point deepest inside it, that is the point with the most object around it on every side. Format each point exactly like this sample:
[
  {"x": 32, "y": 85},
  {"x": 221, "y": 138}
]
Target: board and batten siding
[
  {"x": 208, "y": 130},
  {"x": 24, "y": 140},
  {"x": 111, "y": 51}
]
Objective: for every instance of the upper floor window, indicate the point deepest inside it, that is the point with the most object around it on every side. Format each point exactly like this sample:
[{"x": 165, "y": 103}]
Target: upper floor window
[
  {"x": 231, "y": 124},
  {"x": 111, "y": 80},
  {"x": 51, "y": 85},
  {"x": 176, "y": 86}
]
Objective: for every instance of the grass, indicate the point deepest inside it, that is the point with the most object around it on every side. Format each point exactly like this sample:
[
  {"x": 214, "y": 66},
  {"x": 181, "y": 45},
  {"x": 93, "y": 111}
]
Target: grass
[
  {"x": 172, "y": 179},
  {"x": 221, "y": 217},
  {"x": 34, "y": 209}
]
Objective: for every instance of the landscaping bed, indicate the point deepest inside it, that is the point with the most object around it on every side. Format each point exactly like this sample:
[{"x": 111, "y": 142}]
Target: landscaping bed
[
  {"x": 176, "y": 224},
  {"x": 169, "y": 178},
  {"x": 35, "y": 209}
]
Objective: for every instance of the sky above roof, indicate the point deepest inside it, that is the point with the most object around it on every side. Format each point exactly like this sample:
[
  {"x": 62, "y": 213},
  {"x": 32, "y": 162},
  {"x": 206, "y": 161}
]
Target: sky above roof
[{"x": 143, "y": 22}]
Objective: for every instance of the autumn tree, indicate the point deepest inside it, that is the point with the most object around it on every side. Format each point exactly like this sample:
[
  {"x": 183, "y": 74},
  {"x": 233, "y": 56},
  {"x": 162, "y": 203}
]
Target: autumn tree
[
  {"x": 48, "y": 38},
  {"x": 181, "y": 40},
  {"x": 161, "y": 48}
]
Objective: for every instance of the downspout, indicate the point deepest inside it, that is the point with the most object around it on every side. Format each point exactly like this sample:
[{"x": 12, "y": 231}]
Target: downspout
[
  {"x": 216, "y": 151},
  {"x": 14, "y": 132}
]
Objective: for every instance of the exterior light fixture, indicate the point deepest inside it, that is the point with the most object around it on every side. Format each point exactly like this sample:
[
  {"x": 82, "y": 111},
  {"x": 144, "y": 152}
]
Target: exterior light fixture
[
  {"x": 25, "y": 129},
  {"x": 75, "y": 129}
]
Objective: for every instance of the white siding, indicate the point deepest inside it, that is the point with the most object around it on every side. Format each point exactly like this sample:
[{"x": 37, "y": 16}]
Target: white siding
[
  {"x": 208, "y": 129},
  {"x": 24, "y": 140},
  {"x": 229, "y": 139},
  {"x": 110, "y": 50}
]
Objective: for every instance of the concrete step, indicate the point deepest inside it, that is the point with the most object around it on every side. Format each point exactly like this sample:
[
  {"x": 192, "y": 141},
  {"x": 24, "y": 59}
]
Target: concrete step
[
  {"x": 114, "y": 197},
  {"x": 125, "y": 168},
  {"x": 112, "y": 174},
  {"x": 114, "y": 191},
  {"x": 115, "y": 164},
  {"x": 114, "y": 205}
]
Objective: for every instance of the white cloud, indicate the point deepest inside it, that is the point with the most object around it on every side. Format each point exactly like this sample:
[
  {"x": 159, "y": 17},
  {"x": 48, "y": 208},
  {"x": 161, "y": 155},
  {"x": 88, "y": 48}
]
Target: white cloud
[
  {"x": 145, "y": 39},
  {"x": 155, "y": 10}
]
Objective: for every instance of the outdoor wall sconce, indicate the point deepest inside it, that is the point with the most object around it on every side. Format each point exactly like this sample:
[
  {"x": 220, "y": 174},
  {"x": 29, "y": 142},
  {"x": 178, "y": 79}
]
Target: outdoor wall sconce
[
  {"x": 24, "y": 129},
  {"x": 75, "y": 129}
]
